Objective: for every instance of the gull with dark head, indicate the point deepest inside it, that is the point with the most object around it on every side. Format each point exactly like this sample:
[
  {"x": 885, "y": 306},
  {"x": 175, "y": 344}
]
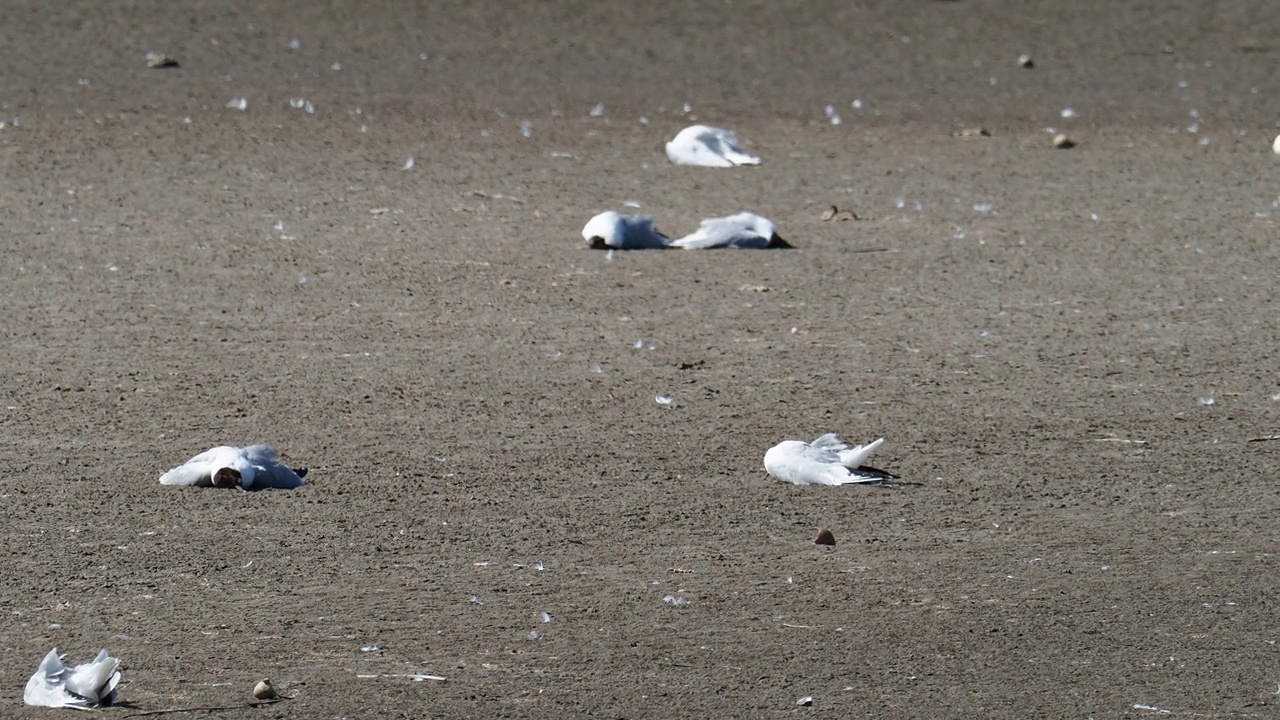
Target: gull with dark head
[
  {"x": 708, "y": 146},
  {"x": 745, "y": 230},
  {"x": 825, "y": 461},
  {"x": 84, "y": 686},
  {"x": 249, "y": 468},
  {"x": 615, "y": 231}
]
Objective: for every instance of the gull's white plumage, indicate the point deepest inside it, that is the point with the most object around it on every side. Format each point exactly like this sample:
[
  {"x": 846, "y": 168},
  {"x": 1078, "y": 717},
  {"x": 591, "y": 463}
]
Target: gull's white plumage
[
  {"x": 744, "y": 230},
  {"x": 251, "y": 467},
  {"x": 612, "y": 230},
  {"x": 825, "y": 461},
  {"x": 708, "y": 146},
  {"x": 83, "y": 686}
]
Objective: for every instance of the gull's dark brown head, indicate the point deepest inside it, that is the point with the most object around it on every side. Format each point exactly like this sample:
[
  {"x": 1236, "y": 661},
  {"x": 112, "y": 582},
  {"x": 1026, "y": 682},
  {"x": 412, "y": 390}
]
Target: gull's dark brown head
[
  {"x": 777, "y": 243},
  {"x": 226, "y": 477},
  {"x": 597, "y": 243}
]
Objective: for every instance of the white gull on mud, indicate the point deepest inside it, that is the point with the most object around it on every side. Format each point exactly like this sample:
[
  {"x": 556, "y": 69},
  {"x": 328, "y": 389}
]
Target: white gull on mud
[
  {"x": 744, "y": 231},
  {"x": 84, "y": 686},
  {"x": 249, "y": 468},
  {"x": 825, "y": 461},
  {"x": 614, "y": 231},
  {"x": 708, "y": 146}
]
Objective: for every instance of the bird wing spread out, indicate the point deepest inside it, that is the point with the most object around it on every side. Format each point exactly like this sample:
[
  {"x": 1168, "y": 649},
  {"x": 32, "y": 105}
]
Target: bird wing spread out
[
  {"x": 56, "y": 685},
  {"x": 640, "y": 233},
  {"x": 193, "y": 472},
  {"x": 96, "y": 679},
  {"x": 714, "y": 233},
  {"x": 260, "y": 454},
  {"x": 725, "y": 144},
  {"x": 269, "y": 472},
  {"x": 278, "y": 476}
]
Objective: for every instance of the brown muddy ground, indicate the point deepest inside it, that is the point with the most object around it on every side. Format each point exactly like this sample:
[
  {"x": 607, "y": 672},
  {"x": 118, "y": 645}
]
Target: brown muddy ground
[{"x": 1078, "y": 534}]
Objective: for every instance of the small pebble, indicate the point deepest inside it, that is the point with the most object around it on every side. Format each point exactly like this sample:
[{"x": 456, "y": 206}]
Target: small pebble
[
  {"x": 805, "y": 701},
  {"x": 160, "y": 60},
  {"x": 825, "y": 538},
  {"x": 1062, "y": 142},
  {"x": 264, "y": 690},
  {"x": 1025, "y": 61},
  {"x": 1275, "y": 146}
]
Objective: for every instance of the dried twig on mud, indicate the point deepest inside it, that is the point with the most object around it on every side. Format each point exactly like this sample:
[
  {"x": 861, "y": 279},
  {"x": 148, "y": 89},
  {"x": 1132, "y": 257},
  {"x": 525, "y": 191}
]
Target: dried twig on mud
[{"x": 206, "y": 708}]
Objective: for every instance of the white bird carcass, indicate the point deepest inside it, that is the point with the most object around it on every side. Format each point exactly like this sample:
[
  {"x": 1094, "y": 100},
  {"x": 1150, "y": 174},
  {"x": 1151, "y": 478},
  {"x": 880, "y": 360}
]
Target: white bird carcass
[
  {"x": 84, "y": 686},
  {"x": 708, "y": 146},
  {"x": 613, "y": 231},
  {"x": 825, "y": 461},
  {"x": 249, "y": 468},
  {"x": 745, "y": 230}
]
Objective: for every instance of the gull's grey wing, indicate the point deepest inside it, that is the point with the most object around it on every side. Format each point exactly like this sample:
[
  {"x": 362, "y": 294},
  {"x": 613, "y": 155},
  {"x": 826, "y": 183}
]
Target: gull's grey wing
[
  {"x": 277, "y": 476},
  {"x": 713, "y": 233},
  {"x": 269, "y": 472},
  {"x": 260, "y": 454},
  {"x": 642, "y": 235},
  {"x": 725, "y": 144},
  {"x": 821, "y": 454},
  {"x": 96, "y": 680}
]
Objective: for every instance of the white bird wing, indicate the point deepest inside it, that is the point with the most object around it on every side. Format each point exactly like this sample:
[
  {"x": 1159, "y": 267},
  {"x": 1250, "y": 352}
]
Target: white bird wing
[
  {"x": 725, "y": 143},
  {"x": 269, "y": 472},
  {"x": 851, "y": 457},
  {"x": 96, "y": 680},
  {"x": 715, "y": 233},
  {"x": 198, "y": 471},
  {"x": 640, "y": 234},
  {"x": 56, "y": 685},
  {"x": 44, "y": 689}
]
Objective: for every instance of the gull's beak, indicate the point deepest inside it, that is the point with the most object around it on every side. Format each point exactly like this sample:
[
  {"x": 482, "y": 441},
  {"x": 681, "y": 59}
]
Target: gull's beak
[
  {"x": 226, "y": 477},
  {"x": 777, "y": 243},
  {"x": 597, "y": 243}
]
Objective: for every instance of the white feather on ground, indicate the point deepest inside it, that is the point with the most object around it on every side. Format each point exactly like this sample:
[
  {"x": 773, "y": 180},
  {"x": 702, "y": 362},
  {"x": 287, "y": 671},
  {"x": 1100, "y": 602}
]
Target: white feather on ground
[
  {"x": 707, "y": 146},
  {"x": 250, "y": 468},
  {"x": 746, "y": 231},
  {"x": 825, "y": 461},
  {"x": 612, "y": 230},
  {"x": 84, "y": 686}
]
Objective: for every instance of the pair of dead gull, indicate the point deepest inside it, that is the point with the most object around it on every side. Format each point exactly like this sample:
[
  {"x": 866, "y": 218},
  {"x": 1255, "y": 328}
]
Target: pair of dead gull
[
  {"x": 614, "y": 231},
  {"x": 254, "y": 467},
  {"x": 84, "y": 686},
  {"x": 827, "y": 460}
]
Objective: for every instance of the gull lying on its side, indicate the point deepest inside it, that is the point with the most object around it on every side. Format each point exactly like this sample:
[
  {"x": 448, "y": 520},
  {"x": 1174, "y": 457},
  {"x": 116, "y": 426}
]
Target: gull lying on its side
[
  {"x": 250, "y": 468},
  {"x": 83, "y": 686},
  {"x": 708, "y": 147},
  {"x": 611, "y": 230},
  {"x": 825, "y": 461},
  {"x": 744, "y": 230}
]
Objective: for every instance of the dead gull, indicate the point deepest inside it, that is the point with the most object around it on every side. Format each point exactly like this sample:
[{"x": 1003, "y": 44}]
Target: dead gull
[
  {"x": 744, "y": 230},
  {"x": 614, "y": 231},
  {"x": 708, "y": 146},
  {"x": 83, "y": 686},
  {"x": 825, "y": 461},
  {"x": 250, "y": 468}
]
